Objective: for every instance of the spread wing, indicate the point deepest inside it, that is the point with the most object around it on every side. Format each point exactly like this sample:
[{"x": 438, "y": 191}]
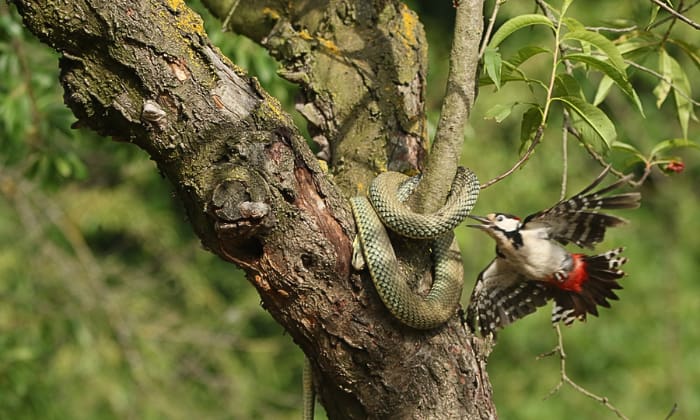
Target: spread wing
[
  {"x": 578, "y": 219},
  {"x": 502, "y": 296}
]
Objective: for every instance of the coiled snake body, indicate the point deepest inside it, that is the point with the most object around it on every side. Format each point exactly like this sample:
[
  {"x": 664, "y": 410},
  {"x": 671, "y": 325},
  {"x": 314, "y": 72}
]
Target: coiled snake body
[{"x": 385, "y": 206}]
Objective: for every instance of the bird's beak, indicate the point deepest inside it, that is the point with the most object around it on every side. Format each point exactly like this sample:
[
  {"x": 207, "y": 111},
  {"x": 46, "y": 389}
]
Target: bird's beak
[{"x": 485, "y": 222}]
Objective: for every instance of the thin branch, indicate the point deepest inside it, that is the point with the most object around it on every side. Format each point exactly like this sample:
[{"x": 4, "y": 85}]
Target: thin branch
[
  {"x": 565, "y": 158},
  {"x": 229, "y": 15},
  {"x": 549, "y": 14},
  {"x": 564, "y": 378},
  {"x": 546, "y": 9},
  {"x": 670, "y": 28},
  {"x": 677, "y": 14},
  {"x": 610, "y": 29},
  {"x": 663, "y": 78},
  {"x": 535, "y": 141},
  {"x": 667, "y": 18},
  {"x": 672, "y": 412},
  {"x": 601, "y": 160},
  {"x": 489, "y": 29}
]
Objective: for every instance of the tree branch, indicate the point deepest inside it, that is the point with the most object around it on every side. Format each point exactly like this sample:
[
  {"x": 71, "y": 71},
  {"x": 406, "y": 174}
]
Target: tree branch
[
  {"x": 460, "y": 94},
  {"x": 524, "y": 158},
  {"x": 254, "y": 193}
]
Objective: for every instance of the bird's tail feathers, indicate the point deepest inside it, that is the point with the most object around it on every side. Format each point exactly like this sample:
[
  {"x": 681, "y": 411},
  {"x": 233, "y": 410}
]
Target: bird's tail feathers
[{"x": 603, "y": 272}]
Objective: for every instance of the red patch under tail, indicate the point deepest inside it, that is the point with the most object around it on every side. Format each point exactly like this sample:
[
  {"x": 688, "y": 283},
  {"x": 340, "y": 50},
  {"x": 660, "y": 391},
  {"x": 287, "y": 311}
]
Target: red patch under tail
[{"x": 589, "y": 285}]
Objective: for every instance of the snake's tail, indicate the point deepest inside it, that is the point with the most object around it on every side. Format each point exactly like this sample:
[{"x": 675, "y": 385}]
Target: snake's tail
[{"x": 308, "y": 392}]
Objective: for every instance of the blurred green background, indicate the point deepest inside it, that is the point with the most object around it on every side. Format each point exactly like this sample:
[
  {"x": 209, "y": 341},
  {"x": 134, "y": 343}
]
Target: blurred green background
[{"x": 109, "y": 308}]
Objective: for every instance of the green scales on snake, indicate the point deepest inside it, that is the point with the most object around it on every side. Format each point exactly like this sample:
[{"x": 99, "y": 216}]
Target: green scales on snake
[{"x": 385, "y": 207}]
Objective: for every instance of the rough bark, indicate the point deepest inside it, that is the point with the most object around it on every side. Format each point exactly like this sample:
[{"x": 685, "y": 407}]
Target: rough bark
[
  {"x": 144, "y": 72},
  {"x": 361, "y": 66}
]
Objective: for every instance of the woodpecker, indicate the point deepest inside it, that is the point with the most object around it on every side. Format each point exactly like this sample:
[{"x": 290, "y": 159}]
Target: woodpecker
[{"x": 532, "y": 266}]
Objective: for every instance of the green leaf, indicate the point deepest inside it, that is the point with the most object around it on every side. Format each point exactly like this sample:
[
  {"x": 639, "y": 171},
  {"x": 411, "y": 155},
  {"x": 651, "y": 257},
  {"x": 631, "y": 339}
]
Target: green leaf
[
  {"x": 505, "y": 78},
  {"x": 628, "y": 148},
  {"x": 603, "y": 89},
  {"x": 588, "y": 135},
  {"x": 690, "y": 50},
  {"x": 641, "y": 44},
  {"x": 493, "y": 64},
  {"x": 600, "y": 42},
  {"x": 566, "y": 85},
  {"x": 532, "y": 119},
  {"x": 565, "y": 6},
  {"x": 625, "y": 146},
  {"x": 681, "y": 93},
  {"x": 662, "y": 90},
  {"x": 516, "y": 23},
  {"x": 593, "y": 116},
  {"x": 654, "y": 13},
  {"x": 510, "y": 71},
  {"x": 525, "y": 54},
  {"x": 673, "y": 144},
  {"x": 573, "y": 24},
  {"x": 499, "y": 112},
  {"x": 617, "y": 75}
]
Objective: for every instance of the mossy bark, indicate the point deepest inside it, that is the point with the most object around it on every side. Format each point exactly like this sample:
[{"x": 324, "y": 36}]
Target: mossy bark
[
  {"x": 145, "y": 73},
  {"x": 362, "y": 69}
]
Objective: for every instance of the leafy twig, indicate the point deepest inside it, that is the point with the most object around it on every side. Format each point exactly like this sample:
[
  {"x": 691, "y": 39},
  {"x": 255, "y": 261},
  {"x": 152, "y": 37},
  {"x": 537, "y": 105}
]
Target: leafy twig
[
  {"x": 663, "y": 78},
  {"x": 601, "y": 160},
  {"x": 670, "y": 26},
  {"x": 545, "y": 113},
  {"x": 680, "y": 10}
]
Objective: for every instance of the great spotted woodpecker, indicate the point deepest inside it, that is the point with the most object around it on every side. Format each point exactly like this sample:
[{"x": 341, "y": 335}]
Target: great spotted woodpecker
[{"x": 532, "y": 266}]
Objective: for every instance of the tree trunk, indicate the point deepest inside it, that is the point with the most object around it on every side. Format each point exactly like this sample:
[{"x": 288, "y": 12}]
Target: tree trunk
[{"x": 144, "y": 72}]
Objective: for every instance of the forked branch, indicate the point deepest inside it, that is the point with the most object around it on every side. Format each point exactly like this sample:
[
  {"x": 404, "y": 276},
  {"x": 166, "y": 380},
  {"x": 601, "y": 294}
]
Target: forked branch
[{"x": 564, "y": 378}]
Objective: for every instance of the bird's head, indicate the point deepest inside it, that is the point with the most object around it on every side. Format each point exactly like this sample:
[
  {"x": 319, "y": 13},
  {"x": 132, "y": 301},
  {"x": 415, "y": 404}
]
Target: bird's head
[{"x": 499, "y": 226}]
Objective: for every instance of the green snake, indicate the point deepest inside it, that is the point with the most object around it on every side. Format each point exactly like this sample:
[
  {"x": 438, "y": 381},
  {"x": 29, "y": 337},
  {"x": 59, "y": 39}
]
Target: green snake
[{"x": 385, "y": 206}]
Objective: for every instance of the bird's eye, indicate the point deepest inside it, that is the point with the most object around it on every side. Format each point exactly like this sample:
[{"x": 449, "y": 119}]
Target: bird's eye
[{"x": 499, "y": 218}]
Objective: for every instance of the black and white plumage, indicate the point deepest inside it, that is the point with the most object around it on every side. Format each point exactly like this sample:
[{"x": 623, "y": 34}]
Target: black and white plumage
[{"x": 532, "y": 266}]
